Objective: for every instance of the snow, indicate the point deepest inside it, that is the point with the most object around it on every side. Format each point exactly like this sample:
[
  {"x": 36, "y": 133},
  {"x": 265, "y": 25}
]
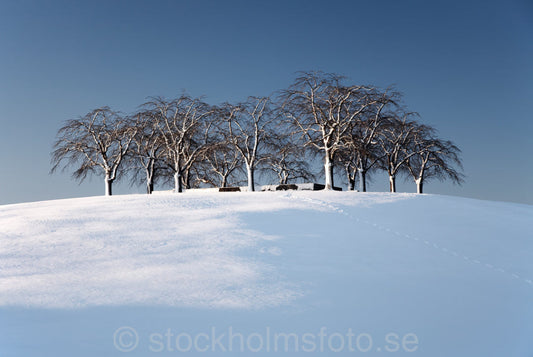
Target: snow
[{"x": 446, "y": 275}]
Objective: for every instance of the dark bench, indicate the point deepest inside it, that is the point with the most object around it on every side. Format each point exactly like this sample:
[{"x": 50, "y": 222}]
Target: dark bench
[
  {"x": 318, "y": 187},
  {"x": 229, "y": 189},
  {"x": 286, "y": 187}
]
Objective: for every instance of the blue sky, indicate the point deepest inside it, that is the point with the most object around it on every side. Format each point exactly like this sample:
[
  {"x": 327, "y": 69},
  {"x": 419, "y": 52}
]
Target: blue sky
[{"x": 465, "y": 66}]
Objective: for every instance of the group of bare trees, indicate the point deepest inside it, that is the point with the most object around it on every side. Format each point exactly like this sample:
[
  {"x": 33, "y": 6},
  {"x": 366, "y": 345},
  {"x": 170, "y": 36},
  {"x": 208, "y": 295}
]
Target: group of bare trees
[
  {"x": 355, "y": 128},
  {"x": 363, "y": 129}
]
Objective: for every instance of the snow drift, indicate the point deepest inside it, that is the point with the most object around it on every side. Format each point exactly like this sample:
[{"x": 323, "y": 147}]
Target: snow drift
[{"x": 456, "y": 272}]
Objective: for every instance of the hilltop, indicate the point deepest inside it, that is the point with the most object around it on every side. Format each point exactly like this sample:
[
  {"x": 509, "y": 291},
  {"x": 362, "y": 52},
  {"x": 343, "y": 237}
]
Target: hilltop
[{"x": 455, "y": 272}]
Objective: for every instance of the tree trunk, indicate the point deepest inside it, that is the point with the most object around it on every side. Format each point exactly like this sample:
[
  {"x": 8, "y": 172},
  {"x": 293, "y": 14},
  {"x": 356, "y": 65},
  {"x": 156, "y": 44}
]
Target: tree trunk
[
  {"x": 350, "y": 177},
  {"x": 224, "y": 180},
  {"x": 420, "y": 179},
  {"x": 328, "y": 171},
  {"x": 392, "y": 180},
  {"x": 150, "y": 178},
  {"x": 108, "y": 185},
  {"x": 419, "y": 185},
  {"x": 351, "y": 185},
  {"x": 362, "y": 180},
  {"x": 284, "y": 178},
  {"x": 251, "y": 183},
  {"x": 177, "y": 182},
  {"x": 178, "y": 185},
  {"x": 149, "y": 185},
  {"x": 187, "y": 179}
]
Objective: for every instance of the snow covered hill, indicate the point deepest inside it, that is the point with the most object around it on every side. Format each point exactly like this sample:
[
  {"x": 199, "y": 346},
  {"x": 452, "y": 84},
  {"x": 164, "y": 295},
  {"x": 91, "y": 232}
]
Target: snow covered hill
[{"x": 273, "y": 273}]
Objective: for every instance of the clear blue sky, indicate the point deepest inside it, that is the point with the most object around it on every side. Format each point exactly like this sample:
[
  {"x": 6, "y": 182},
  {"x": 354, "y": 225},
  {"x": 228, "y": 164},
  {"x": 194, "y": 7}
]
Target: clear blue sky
[{"x": 465, "y": 66}]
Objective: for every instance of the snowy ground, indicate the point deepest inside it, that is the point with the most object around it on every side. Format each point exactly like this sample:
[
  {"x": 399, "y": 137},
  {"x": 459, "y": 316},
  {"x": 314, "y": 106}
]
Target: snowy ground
[{"x": 311, "y": 273}]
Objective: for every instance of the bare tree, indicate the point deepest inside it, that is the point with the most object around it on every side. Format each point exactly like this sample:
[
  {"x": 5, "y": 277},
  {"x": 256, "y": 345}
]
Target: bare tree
[
  {"x": 396, "y": 136},
  {"x": 433, "y": 158},
  {"x": 349, "y": 160},
  {"x": 99, "y": 140},
  {"x": 362, "y": 153},
  {"x": 221, "y": 160},
  {"x": 323, "y": 111},
  {"x": 248, "y": 128},
  {"x": 183, "y": 125},
  {"x": 287, "y": 159},
  {"x": 147, "y": 153}
]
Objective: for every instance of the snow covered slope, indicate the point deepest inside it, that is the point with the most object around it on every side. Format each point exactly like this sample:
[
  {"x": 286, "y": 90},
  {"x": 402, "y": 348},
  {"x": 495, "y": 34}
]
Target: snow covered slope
[{"x": 281, "y": 273}]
